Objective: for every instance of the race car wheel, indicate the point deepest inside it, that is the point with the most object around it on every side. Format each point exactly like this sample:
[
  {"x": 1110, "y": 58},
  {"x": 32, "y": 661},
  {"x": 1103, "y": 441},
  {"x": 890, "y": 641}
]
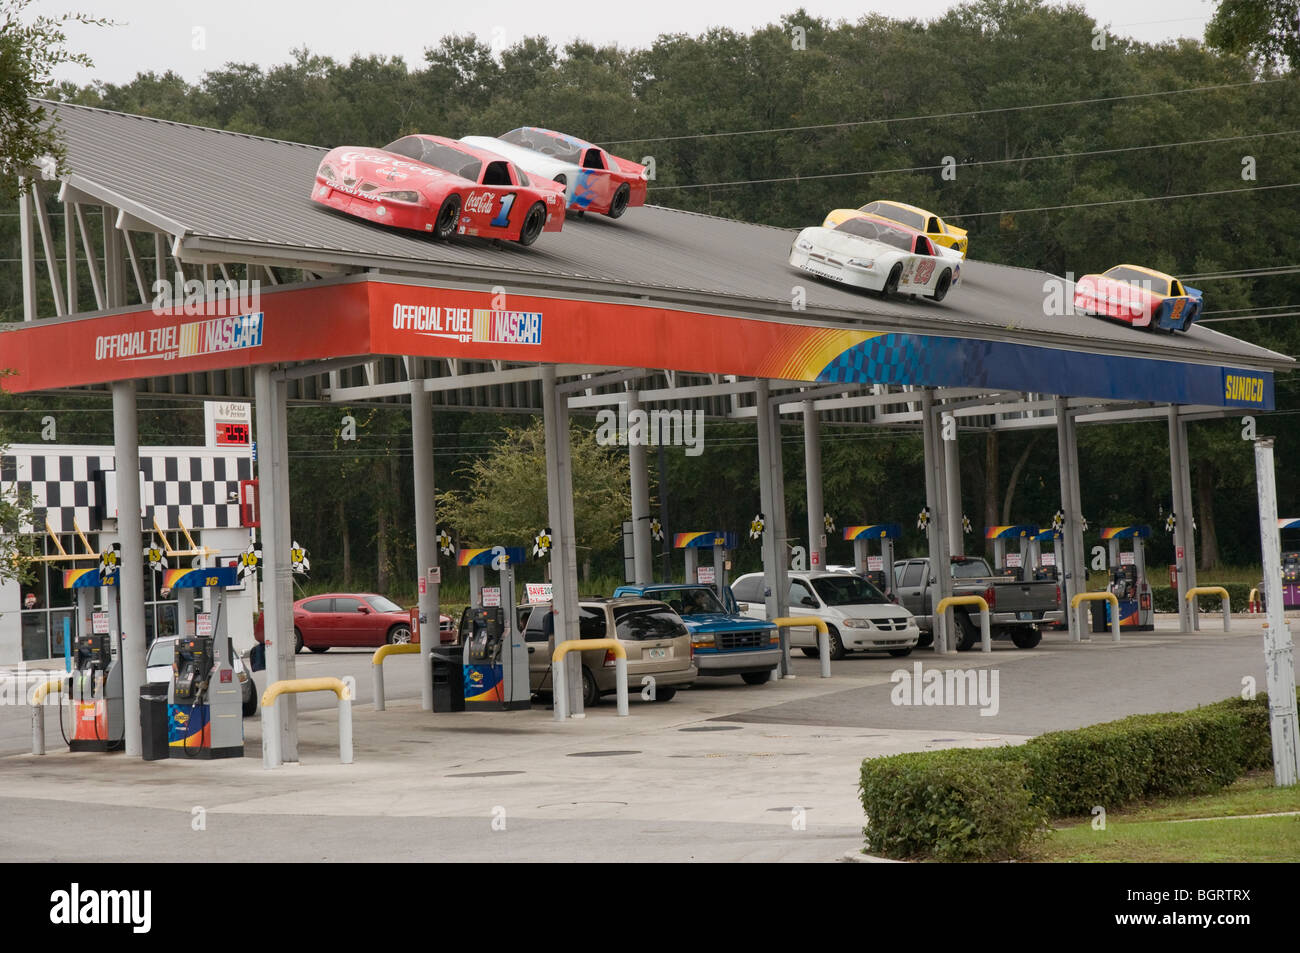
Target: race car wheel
[
  {"x": 445, "y": 225},
  {"x": 534, "y": 222},
  {"x": 942, "y": 285},
  {"x": 618, "y": 205},
  {"x": 891, "y": 283}
]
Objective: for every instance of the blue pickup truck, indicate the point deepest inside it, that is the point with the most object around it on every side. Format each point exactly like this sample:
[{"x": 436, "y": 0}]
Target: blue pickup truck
[{"x": 723, "y": 641}]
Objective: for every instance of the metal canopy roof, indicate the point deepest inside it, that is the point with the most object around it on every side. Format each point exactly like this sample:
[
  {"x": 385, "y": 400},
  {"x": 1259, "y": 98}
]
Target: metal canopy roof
[{"x": 225, "y": 196}]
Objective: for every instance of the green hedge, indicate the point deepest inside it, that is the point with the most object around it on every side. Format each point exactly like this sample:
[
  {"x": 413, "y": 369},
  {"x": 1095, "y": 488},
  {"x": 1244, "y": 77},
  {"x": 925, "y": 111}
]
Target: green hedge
[
  {"x": 1165, "y": 599},
  {"x": 957, "y": 804},
  {"x": 993, "y": 803}
]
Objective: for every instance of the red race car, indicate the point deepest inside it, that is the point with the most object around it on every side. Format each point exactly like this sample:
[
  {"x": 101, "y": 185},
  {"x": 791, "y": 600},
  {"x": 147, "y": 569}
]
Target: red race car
[
  {"x": 1139, "y": 296},
  {"x": 440, "y": 186}
]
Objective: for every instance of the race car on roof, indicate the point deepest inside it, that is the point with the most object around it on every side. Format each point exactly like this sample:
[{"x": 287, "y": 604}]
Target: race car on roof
[
  {"x": 442, "y": 187},
  {"x": 593, "y": 180},
  {"x": 869, "y": 252},
  {"x": 1139, "y": 296},
  {"x": 934, "y": 228}
]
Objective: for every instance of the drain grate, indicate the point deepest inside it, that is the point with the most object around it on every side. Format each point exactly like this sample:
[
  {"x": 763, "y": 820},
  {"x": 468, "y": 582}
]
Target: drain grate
[
  {"x": 712, "y": 728},
  {"x": 599, "y": 754}
]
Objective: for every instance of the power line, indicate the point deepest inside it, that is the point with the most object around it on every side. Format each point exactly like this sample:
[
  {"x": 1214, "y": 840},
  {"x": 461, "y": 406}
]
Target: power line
[
  {"x": 1245, "y": 272},
  {"x": 1149, "y": 198},
  {"x": 973, "y": 164},
  {"x": 1251, "y": 317},
  {"x": 949, "y": 115}
]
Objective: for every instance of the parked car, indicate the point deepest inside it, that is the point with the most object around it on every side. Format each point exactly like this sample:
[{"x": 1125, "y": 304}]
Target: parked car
[
  {"x": 858, "y": 616},
  {"x": 724, "y": 641},
  {"x": 352, "y": 620},
  {"x": 654, "y": 637},
  {"x": 158, "y": 668},
  {"x": 1018, "y": 609}
]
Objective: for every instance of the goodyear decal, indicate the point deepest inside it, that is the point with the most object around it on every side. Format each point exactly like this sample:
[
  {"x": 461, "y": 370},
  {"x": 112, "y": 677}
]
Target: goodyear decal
[{"x": 1243, "y": 388}]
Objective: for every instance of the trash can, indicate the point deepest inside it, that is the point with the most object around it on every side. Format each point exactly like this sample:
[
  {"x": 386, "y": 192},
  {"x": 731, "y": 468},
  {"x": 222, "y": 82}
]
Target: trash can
[
  {"x": 153, "y": 721},
  {"x": 448, "y": 679},
  {"x": 1098, "y": 609}
]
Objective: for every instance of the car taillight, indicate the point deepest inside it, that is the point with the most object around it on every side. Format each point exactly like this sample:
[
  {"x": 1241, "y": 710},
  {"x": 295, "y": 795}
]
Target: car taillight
[
  {"x": 1058, "y": 595},
  {"x": 991, "y": 597},
  {"x": 609, "y": 658}
]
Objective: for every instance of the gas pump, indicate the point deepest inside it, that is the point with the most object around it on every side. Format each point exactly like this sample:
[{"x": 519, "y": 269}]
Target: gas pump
[
  {"x": 1043, "y": 564},
  {"x": 1290, "y": 569},
  {"x": 204, "y": 701},
  {"x": 721, "y": 542},
  {"x": 495, "y": 658},
  {"x": 878, "y": 569},
  {"x": 1128, "y": 576},
  {"x": 95, "y": 682},
  {"x": 1011, "y": 563}
]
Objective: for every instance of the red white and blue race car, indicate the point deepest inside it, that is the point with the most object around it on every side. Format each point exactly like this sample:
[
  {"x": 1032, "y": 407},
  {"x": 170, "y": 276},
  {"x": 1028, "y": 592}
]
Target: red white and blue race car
[
  {"x": 440, "y": 186},
  {"x": 593, "y": 180},
  {"x": 1139, "y": 296}
]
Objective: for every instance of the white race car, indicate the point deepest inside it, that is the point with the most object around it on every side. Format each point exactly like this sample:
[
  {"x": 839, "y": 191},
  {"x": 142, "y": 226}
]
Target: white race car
[
  {"x": 869, "y": 252},
  {"x": 593, "y": 179}
]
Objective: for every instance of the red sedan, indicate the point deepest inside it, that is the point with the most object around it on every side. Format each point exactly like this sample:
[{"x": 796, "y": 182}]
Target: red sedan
[{"x": 352, "y": 620}]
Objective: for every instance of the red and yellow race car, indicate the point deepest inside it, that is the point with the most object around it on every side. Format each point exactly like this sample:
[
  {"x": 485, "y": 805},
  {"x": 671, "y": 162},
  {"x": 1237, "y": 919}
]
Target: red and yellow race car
[
  {"x": 442, "y": 187},
  {"x": 1139, "y": 296}
]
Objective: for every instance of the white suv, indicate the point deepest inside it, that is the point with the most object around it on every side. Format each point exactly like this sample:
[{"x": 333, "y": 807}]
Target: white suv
[{"x": 858, "y": 616}]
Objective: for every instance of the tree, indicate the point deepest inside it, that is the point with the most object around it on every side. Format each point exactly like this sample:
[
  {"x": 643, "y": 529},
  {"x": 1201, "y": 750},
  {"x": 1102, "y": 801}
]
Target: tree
[
  {"x": 505, "y": 502},
  {"x": 1266, "y": 30},
  {"x": 15, "y": 513},
  {"x": 29, "y": 54}
]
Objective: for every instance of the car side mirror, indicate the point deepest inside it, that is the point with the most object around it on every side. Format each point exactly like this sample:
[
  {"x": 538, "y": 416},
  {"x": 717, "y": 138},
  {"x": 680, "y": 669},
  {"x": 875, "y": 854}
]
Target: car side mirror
[
  {"x": 808, "y": 601},
  {"x": 363, "y": 609}
]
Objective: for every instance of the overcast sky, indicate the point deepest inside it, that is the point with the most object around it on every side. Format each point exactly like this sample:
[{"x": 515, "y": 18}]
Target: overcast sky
[{"x": 193, "y": 36}]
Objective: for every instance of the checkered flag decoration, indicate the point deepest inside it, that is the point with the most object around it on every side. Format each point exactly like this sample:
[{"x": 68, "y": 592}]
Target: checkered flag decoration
[
  {"x": 108, "y": 562},
  {"x": 444, "y": 543},
  {"x": 829, "y": 522},
  {"x": 756, "y": 527},
  {"x": 657, "y": 529},
  {"x": 156, "y": 558},
  {"x": 542, "y": 543},
  {"x": 250, "y": 560},
  {"x": 923, "y": 519},
  {"x": 1170, "y": 522},
  {"x": 965, "y": 524},
  {"x": 1058, "y": 521},
  {"x": 298, "y": 560}
]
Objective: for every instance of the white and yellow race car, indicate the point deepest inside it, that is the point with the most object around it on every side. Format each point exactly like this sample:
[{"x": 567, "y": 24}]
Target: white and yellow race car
[
  {"x": 931, "y": 225},
  {"x": 870, "y": 252}
]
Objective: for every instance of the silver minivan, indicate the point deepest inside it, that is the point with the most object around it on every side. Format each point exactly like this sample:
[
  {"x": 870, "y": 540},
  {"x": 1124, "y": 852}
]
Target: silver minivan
[{"x": 654, "y": 637}]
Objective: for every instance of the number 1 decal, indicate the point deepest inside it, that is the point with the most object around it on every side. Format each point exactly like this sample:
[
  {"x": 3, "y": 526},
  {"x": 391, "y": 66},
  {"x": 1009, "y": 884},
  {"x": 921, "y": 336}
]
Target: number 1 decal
[{"x": 503, "y": 216}]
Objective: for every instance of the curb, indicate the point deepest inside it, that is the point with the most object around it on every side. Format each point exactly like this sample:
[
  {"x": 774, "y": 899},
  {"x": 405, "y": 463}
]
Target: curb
[{"x": 857, "y": 857}]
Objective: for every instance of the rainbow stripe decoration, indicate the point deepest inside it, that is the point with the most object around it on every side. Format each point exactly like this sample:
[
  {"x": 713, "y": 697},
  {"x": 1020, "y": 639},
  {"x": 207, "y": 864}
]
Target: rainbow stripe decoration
[
  {"x": 874, "y": 531},
  {"x": 219, "y": 577},
  {"x": 802, "y": 353},
  {"x": 1046, "y": 535},
  {"x": 1140, "y": 531},
  {"x": 1289, "y": 523},
  {"x": 705, "y": 539},
  {"x": 1010, "y": 532},
  {"x": 483, "y": 556},
  {"x": 86, "y": 579}
]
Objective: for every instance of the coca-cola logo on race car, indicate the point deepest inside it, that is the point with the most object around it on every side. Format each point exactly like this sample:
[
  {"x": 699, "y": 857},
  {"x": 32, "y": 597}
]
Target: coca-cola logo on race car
[{"x": 480, "y": 202}]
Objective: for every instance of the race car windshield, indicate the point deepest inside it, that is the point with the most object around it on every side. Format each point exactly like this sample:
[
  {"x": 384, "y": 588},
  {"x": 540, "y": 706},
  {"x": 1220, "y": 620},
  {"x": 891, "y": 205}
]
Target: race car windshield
[
  {"x": 690, "y": 600},
  {"x": 895, "y": 214},
  {"x": 450, "y": 160},
  {"x": 1132, "y": 276},
  {"x": 876, "y": 232},
  {"x": 543, "y": 143},
  {"x": 847, "y": 590}
]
